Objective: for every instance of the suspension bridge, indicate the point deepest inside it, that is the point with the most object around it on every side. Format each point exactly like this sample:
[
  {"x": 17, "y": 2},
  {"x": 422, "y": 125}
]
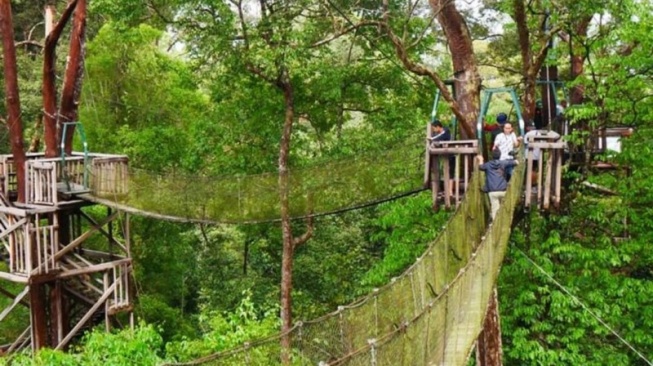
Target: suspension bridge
[{"x": 430, "y": 315}]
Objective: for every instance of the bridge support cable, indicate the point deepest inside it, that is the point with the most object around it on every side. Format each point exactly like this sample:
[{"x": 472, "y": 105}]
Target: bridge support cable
[{"x": 586, "y": 308}]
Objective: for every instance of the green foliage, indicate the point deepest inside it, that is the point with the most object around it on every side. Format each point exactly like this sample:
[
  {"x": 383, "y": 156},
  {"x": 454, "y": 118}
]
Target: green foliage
[
  {"x": 222, "y": 331},
  {"x": 171, "y": 321},
  {"x": 138, "y": 100},
  {"x": 404, "y": 229},
  {"x": 329, "y": 267},
  {"x": 125, "y": 348},
  {"x": 13, "y": 325},
  {"x": 583, "y": 251}
]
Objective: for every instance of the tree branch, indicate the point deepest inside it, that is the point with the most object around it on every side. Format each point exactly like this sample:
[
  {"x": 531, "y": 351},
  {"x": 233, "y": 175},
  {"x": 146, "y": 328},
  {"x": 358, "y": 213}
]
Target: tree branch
[
  {"x": 297, "y": 241},
  {"x": 343, "y": 32},
  {"x": 29, "y": 42}
]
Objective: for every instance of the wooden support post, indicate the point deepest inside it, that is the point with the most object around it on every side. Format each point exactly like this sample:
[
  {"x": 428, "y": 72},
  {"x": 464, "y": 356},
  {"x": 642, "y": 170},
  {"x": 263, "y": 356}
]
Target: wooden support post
[
  {"x": 56, "y": 313},
  {"x": 38, "y": 316},
  {"x": 547, "y": 183},
  {"x": 529, "y": 178},
  {"x": 435, "y": 180},
  {"x": 447, "y": 181},
  {"x": 558, "y": 179},
  {"x": 540, "y": 172},
  {"x": 107, "y": 324}
]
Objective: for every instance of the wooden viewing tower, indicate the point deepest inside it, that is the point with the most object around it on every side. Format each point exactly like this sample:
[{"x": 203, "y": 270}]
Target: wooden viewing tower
[{"x": 68, "y": 268}]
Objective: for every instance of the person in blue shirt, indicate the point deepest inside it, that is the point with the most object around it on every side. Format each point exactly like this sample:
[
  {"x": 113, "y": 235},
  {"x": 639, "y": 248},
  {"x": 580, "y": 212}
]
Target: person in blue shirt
[
  {"x": 495, "y": 178},
  {"x": 441, "y": 133}
]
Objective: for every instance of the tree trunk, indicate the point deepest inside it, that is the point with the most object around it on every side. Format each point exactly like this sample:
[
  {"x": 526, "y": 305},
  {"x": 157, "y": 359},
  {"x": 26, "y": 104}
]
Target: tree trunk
[
  {"x": 489, "y": 347},
  {"x": 50, "y": 120},
  {"x": 74, "y": 74},
  {"x": 466, "y": 77},
  {"x": 577, "y": 94},
  {"x": 548, "y": 73},
  {"x": 14, "y": 122},
  {"x": 286, "y": 230},
  {"x": 523, "y": 35}
]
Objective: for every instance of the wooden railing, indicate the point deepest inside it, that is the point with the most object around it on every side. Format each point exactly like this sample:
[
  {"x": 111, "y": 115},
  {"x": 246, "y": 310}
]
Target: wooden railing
[
  {"x": 118, "y": 275},
  {"x": 8, "y": 171},
  {"x": 109, "y": 175},
  {"x": 46, "y": 176},
  {"x": 602, "y": 135},
  {"x": 32, "y": 247},
  {"x": 104, "y": 174},
  {"x": 545, "y": 173},
  {"x": 41, "y": 187},
  {"x": 455, "y": 177}
]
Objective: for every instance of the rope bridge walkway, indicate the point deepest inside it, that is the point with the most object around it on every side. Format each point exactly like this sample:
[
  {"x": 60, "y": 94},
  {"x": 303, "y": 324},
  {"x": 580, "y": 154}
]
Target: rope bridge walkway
[
  {"x": 430, "y": 315},
  {"x": 319, "y": 190}
]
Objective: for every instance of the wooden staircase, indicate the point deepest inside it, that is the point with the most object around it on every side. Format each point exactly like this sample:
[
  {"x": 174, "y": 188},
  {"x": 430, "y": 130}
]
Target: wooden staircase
[{"x": 69, "y": 282}]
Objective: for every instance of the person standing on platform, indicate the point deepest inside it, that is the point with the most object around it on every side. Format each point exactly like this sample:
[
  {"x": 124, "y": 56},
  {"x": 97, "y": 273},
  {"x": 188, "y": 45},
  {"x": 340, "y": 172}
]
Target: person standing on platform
[
  {"x": 495, "y": 179},
  {"x": 507, "y": 142},
  {"x": 440, "y": 133}
]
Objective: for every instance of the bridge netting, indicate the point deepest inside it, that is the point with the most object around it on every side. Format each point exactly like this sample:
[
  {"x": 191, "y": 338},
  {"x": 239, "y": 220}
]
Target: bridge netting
[
  {"x": 431, "y": 314},
  {"x": 317, "y": 190}
]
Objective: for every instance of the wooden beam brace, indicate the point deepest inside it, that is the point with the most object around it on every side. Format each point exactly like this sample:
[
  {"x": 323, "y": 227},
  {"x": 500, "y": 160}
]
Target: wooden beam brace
[
  {"x": 16, "y": 301},
  {"x": 547, "y": 145},
  {"x": 13, "y": 278},
  {"x": 87, "y": 316},
  {"x": 93, "y": 269},
  {"x": 452, "y": 150},
  {"x": 20, "y": 341},
  {"x": 104, "y": 232},
  {"x": 13, "y": 227},
  {"x": 12, "y": 296},
  {"x": 73, "y": 244}
]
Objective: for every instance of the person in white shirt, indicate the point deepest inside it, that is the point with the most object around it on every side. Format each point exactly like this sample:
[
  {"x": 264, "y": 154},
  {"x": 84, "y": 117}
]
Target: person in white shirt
[{"x": 506, "y": 142}]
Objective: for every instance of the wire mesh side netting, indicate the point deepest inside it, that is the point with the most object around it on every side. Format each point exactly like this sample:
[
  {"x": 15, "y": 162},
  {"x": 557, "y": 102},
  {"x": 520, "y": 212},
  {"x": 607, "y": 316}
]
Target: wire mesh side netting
[
  {"x": 431, "y": 314},
  {"x": 255, "y": 198}
]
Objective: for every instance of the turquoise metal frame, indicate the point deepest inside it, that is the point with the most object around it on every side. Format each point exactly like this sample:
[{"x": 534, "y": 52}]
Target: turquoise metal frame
[
  {"x": 486, "y": 98},
  {"x": 78, "y": 125},
  {"x": 434, "y": 111}
]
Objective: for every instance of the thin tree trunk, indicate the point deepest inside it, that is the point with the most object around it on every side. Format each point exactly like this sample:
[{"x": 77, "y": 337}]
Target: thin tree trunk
[
  {"x": 14, "y": 122},
  {"x": 577, "y": 58},
  {"x": 50, "y": 120},
  {"x": 74, "y": 74},
  {"x": 489, "y": 347},
  {"x": 35, "y": 144},
  {"x": 466, "y": 77},
  {"x": 523, "y": 35},
  {"x": 286, "y": 229}
]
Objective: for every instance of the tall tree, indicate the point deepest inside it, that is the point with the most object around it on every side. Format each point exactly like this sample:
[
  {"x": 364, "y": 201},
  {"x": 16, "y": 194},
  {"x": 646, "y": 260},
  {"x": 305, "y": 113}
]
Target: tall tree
[
  {"x": 465, "y": 68},
  {"x": 50, "y": 118},
  {"x": 72, "y": 86},
  {"x": 12, "y": 100}
]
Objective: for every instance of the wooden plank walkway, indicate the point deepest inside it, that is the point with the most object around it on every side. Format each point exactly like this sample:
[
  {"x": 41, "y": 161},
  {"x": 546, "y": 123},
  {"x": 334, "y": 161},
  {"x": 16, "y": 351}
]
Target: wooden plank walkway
[{"x": 467, "y": 324}]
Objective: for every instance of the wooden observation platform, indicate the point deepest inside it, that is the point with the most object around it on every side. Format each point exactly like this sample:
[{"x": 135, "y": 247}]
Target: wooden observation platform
[
  {"x": 68, "y": 267},
  {"x": 449, "y": 165},
  {"x": 545, "y": 151}
]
